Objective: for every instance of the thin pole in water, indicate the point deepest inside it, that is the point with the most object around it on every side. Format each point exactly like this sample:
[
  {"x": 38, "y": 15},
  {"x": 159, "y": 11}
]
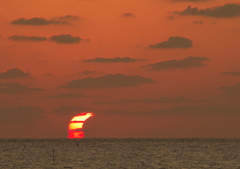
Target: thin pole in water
[{"x": 53, "y": 155}]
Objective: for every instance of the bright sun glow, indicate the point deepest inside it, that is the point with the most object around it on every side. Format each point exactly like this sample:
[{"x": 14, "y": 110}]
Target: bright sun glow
[{"x": 76, "y": 124}]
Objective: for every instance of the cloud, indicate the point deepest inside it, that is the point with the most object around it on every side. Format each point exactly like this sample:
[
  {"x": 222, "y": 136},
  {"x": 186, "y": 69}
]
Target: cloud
[
  {"x": 37, "y": 21},
  {"x": 66, "y": 96},
  {"x": 127, "y": 14},
  {"x": 225, "y": 11},
  {"x": 70, "y": 110},
  {"x": 232, "y": 73},
  {"x": 109, "y": 80},
  {"x": 67, "y": 18},
  {"x": 22, "y": 114},
  {"x": 178, "y": 99},
  {"x": 173, "y": 42},
  {"x": 231, "y": 90},
  {"x": 22, "y": 38},
  {"x": 188, "y": 62},
  {"x": 16, "y": 88},
  {"x": 14, "y": 73},
  {"x": 113, "y": 60},
  {"x": 189, "y": 0},
  {"x": 65, "y": 38},
  {"x": 179, "y": 111}
]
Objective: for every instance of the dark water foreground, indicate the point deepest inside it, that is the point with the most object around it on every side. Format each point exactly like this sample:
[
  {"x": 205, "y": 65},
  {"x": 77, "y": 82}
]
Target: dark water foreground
[{"x": 120, "y": 153}]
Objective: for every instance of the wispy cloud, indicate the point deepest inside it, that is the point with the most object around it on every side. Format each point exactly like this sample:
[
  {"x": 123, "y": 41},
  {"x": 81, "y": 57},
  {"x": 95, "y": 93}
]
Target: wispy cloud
[
  {"x": 231, "y": 73},
  {"x": 65, "y": 39},
  {"x": 16, "y": 88},
  {"x": 22, "y": 38},
  {"x": 231, "y": 90},
  {"x": 67, "y": 18},
  {"x": 173, "y": 42},
  {"x": 22, "y": 114},
  {"x": 38, "y": 21},
  {"x": 179, "y": 111},
  {"x": 185, "y": 63},
  {"x": 66, "y": 96},
  {"x": 14, "y": 73},
  {"x": 109, "y": 80},
  {"x": 127, "y": 14},
  {"x": 189, "y": 0},
  {"x": 226, "y": 11},
  {"x": 70, "y": 110},
  {"x": 178, "y": 99},
  {"x": 113, "y": 60}
]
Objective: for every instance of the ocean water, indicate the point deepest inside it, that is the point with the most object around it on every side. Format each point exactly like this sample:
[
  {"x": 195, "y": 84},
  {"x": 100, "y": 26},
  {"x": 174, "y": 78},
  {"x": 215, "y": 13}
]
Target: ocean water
[{"x": 120, "y": 153}]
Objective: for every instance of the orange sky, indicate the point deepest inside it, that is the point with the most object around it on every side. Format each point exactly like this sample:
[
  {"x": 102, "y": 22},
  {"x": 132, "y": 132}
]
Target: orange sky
[{"x": 145, "y": 68}]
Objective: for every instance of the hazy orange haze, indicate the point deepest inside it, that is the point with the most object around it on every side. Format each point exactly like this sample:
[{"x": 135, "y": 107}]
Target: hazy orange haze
[{"x": 145, "y": 68}]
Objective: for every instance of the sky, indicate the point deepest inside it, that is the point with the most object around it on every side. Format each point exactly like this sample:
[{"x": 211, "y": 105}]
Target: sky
[{"x": 145, "y": 68}]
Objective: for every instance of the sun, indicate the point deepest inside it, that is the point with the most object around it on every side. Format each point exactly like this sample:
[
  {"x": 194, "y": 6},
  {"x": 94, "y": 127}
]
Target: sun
[{"x": 76, "y": 125}]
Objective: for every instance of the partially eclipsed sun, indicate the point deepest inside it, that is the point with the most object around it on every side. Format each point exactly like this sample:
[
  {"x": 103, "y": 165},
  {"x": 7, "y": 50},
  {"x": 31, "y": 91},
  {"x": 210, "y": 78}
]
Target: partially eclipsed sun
[{"x": 76, "y": 125}]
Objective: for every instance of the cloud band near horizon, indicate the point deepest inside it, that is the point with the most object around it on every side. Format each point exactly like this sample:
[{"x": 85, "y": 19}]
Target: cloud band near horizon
[{"x": 108, "y": 81}]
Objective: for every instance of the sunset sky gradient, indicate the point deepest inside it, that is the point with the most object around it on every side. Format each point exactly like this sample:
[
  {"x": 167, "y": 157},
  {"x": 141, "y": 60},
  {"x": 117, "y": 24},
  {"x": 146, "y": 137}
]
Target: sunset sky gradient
[{"x": 145, "y": 68}]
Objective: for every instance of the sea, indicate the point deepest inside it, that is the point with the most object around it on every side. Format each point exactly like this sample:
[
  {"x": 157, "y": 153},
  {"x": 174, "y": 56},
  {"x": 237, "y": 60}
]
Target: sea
[{"x": 120, "y": 153}]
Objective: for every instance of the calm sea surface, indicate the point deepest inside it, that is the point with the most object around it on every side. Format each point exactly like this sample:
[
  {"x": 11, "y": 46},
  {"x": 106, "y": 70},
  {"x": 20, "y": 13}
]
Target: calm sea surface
[{"x": 120, "y": 153}]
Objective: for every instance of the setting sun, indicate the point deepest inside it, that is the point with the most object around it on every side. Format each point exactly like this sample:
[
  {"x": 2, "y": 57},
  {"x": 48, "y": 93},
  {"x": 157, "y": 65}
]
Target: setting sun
[{"x": 76, "y": 124}]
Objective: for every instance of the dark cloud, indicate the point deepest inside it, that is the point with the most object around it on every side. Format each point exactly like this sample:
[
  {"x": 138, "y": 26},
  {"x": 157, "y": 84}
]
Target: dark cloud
[
  {"x": 185, "y": 63},
  {"x": 14, "y": 73},
  {"x": 189, "y": 0},
  {"x": 178, "y": 99},
  {"x": 67, "y": 18},
  {"x": 113, "y": 60},
  {"x": 232, "y": 73},
  {"x": 37, "y": 21},
  {"x": 173, "y": 42},
  {"x": 225, "y": 11},
  {"x": 127, "y": 14},
  {"x": 16, "y": 88},
  {"x": 70, "y": 110},
  {"x": 65, "y": 38},
  {"x": 179, "y": 110},
  {"x": 22, "y": 114},
  {"x": 22, "y": 38},
  {"x": 231, "y": 90},
  {"x": 66, "y": 96},
  {"x": 109, "y": 80}
]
